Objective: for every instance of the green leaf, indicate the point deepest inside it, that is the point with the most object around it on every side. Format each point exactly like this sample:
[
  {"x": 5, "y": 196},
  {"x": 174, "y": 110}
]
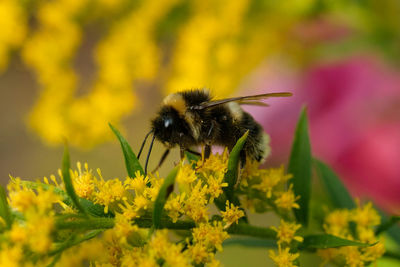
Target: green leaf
[
  {"x": 5, "y": 211},
  {"x": 191, "y": 157},
  {"x": 165, "y": 190},
  {"x": 231, "y": 174},
  {"x": 300, "y": 167},
  {"x": 387, "y": 223},
  {"x": 131, "y": 161},
  {"x": 68, "y": 182},
  {"x": 329, "y": 241},
  {"x": 337, "y": 191}
]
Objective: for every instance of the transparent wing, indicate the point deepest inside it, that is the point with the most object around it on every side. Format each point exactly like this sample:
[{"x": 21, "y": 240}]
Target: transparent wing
[{"x": 245, "y": 100}]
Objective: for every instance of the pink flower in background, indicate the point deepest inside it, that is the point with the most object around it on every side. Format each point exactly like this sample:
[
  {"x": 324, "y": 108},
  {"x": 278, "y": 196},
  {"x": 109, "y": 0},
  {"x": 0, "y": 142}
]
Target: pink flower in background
[{"x": 354, "y": 114}]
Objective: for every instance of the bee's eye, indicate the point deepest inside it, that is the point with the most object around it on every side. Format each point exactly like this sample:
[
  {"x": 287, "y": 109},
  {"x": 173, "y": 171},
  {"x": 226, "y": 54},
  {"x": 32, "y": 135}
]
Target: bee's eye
[{"x": 167, "y": 122}]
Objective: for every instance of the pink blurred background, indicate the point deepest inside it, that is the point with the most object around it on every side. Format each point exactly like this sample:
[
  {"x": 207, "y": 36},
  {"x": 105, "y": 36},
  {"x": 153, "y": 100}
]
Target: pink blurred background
[{"x": 354, "y": 114}]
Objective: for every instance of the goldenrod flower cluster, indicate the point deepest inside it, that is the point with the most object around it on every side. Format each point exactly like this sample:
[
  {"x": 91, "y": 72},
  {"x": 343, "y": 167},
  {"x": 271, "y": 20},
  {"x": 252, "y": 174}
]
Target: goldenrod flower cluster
[
  {"x": 117, "y": 229},
  {"x": 42, "y": 209},
  {"x": 265, "y": 189},
  {"x": 145, "y": 220},
  {"x": 358, "y": 225},
  {"x": 286, "y": 236},
  {"x": 13, "y": 21}
]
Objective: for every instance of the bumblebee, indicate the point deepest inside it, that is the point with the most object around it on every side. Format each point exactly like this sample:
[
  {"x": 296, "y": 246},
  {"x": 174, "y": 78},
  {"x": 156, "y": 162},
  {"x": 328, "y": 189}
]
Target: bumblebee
[{"x": 192, "y": 118}]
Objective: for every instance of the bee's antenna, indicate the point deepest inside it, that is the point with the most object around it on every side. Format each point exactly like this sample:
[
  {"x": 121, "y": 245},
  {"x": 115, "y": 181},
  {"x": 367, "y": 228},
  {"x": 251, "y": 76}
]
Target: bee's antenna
[
  {"x": 148, "y": 154},
  {"x": 144, "y": 142}
]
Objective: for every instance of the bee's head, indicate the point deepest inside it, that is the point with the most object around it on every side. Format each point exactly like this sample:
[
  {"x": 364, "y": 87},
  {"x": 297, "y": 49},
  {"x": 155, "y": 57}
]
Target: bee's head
[{"x": 170, "y": 127}]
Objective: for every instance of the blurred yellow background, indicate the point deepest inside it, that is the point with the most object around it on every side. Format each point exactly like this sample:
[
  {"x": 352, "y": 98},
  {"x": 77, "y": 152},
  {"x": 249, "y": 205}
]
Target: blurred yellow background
[{"x": 68, "y": 67}]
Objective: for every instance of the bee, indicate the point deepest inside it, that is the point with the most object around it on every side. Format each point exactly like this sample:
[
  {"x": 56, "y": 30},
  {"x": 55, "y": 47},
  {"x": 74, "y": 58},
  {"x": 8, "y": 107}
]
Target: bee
[{"x": 191, "y": 118}]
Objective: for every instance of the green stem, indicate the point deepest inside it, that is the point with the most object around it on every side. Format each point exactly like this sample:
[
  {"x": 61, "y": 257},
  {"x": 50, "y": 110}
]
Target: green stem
[
  {"x": 107, "y": 223},
  {"x": 250, "y": 230},
  {"x": 86, "y": 224}
]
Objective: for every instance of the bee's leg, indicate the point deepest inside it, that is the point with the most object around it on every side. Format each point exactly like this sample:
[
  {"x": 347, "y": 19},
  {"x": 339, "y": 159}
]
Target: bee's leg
[
  {"x": 148, "y": 155},
  {"x": 207, "y": 151},
  {"x": 182, "y": 152},
  {"x": 207, "y": 147},
  {"x": 163, "y": 157}
]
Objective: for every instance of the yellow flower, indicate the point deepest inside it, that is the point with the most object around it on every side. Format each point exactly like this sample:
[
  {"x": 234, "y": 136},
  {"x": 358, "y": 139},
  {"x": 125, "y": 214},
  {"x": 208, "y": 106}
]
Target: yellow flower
[
  {"x": 40, "y": 229},
  {"x": 231, "y": 214},
  {"x": 327, "y": 254},
  {"x": 196, "y": 203},
  {"x": 159, "y": 244},
  {"x": 128, "y": 210},
  {"x": 250, "y": 170},
  {"x": 366, "y": 216},
  {"x": 284, "y": 258},
  {"x": 216, "y": 163},
  {"x": 24, "y": 199},
  {"x": 287, "y": 200},
  {"x": 11, "y": 256},
  {"x": 286, "y": 232},
  {"x": 83, "y": 181},
  {"x": 124, "y": 228},
  {"x": 371, "y": 254},
  {"x": 19, "y": 234},
  {"x": 352, "y": 256},
  {"x": 92, "y": 250},
  {"x": 215, "y": 185},
  {"x": 141, "y": 203},
  {"x": 109, "y": 192},
  {"x": 199, "y": 253},
  {"x": 137, "y": 183},
  {"x": 186, "y": 175},
  {"x": 174, "y": 206},
  {"x": 13, "y": 21},
  {"x": 366, "y": 235},
  {"x": 337, "y": 223},
  {"x": 211, "y": 236},
  {"x": 271, "y": 178}
]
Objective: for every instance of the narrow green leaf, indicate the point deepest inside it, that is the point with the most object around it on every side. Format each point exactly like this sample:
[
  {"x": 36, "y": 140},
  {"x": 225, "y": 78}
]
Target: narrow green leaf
[
  {"x": 131, "y": 161},
  {"x": 191, "y": 157},
  {"x": 387, "y": 224},
  {"x": 231, "y": 174},
  {"x": 300, "y": 167},
  {"x": 68, "y": 182},
  {"x": 329, "y": 241},
  {"x": 5, "y": 211},
  {"x": 338, "y": 193},
  {"x": 165, "y": 190}
]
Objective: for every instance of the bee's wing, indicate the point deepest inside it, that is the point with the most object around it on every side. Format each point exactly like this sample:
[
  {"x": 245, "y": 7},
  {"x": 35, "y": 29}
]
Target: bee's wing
[
  {"x": 246, "y": 100},
  {"x": 253, "y": 103}
]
